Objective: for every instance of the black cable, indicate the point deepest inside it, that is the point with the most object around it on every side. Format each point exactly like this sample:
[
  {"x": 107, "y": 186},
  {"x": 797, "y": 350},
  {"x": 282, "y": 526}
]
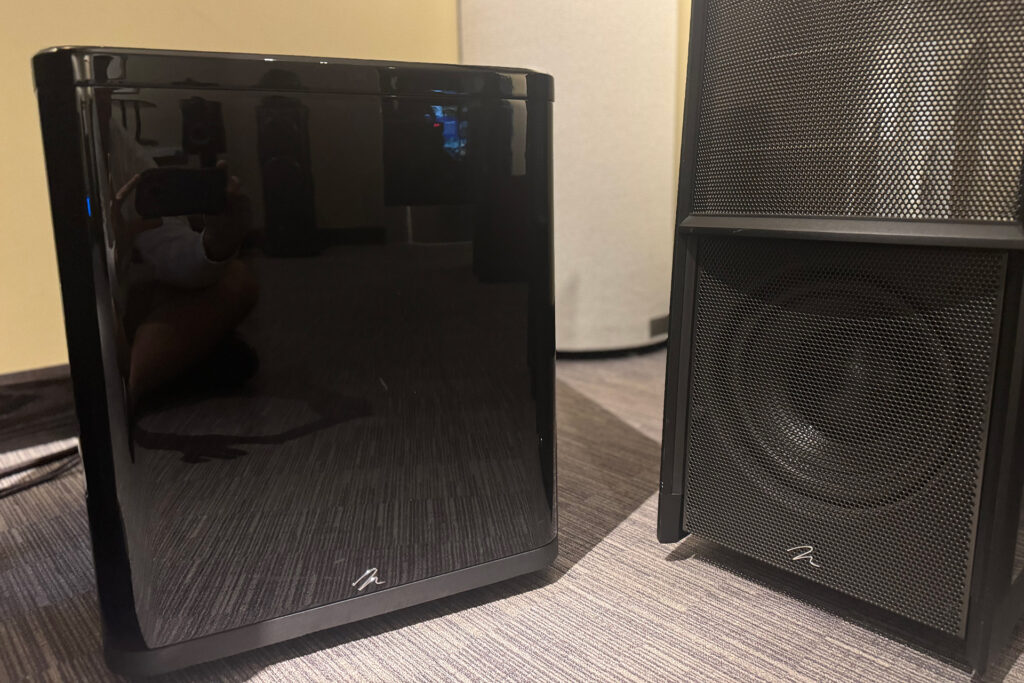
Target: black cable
[
  {"x": 68, "y": 459},
  {"x": 38, "y": 462}
]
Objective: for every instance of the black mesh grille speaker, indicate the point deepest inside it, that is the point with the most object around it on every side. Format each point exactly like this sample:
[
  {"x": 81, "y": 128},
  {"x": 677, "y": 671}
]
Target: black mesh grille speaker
[
  {"x": 839, "y": 400},
  {"x": 845, "y": 364},
  {"x": 880, "y": 108}
]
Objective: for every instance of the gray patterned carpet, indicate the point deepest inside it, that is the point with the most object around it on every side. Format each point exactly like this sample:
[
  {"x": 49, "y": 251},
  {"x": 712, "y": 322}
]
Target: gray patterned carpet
[{"x": 615, "y": 606}]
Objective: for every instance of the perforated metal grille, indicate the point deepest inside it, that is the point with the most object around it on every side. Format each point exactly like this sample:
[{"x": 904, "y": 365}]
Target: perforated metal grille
[
  {"x": 839, "y": 400},
  {"x": 886, "y": 108}
]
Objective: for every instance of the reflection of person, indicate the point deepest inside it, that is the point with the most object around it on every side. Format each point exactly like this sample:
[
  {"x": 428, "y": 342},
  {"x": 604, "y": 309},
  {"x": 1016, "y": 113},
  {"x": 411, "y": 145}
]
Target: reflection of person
[
  {"x": 192, "y": 293},
  {"x": 181, "y": 285}
]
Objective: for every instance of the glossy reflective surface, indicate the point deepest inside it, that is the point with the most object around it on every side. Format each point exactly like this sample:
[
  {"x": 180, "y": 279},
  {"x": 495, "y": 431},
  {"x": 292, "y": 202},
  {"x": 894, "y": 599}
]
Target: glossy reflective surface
[{"x": 349, "y": 368}]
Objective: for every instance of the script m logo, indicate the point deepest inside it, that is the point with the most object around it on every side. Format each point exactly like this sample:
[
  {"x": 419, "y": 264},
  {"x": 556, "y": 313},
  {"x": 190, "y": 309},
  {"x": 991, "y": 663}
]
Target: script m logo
[
  {"x": 369, "y": 577},
  {"x": 803, "y": 553}
]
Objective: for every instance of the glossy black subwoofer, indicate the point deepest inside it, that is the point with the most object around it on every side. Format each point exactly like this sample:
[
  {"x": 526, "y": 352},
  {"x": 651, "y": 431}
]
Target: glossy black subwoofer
[
  {"x": 844, "y": 384},
  {"x": 332, "y": 399}
]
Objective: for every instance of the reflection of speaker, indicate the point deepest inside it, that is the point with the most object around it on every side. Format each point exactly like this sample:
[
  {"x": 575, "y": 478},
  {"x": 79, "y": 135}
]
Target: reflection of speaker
[
  {"x": 845, "y": 358},
  {"x": 289, "y": 209},
  {"x": 202, "y": 129}
]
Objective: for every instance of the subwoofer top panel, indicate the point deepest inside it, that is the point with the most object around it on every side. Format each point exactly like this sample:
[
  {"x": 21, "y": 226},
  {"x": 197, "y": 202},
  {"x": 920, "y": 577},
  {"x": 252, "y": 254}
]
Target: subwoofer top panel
[
  {"x": 905, "y": 109},
  {"x": 838, "y": 413}
]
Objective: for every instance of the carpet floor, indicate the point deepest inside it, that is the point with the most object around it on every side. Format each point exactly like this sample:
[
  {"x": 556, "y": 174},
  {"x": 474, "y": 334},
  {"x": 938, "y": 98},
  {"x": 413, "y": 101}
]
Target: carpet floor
[{"x": 616, "y": 605}]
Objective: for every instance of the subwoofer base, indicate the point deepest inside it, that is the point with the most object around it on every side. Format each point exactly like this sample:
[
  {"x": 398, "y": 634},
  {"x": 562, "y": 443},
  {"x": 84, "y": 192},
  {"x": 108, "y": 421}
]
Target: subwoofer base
[
  {"x": 916, "y": 636},
  {"x": 161, "y": 660}
]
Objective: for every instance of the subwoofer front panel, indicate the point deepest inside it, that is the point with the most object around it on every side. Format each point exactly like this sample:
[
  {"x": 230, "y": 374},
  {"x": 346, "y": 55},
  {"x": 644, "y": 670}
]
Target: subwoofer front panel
[
  {"x": 838, "y": 413},
  {"x": 333, "y": 399}
]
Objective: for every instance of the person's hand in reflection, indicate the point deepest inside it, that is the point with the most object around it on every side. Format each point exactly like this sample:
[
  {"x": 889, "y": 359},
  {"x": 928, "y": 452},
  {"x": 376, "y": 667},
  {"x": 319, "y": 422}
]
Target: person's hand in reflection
[
  {"x": 193, "y": 290},
  {"x": 224, "y": 233}
]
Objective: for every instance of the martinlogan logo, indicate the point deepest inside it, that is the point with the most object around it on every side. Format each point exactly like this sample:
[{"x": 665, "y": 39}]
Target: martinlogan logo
[
  {"x": 368, "y": 577},
  {"x": 803, "y": 552}
]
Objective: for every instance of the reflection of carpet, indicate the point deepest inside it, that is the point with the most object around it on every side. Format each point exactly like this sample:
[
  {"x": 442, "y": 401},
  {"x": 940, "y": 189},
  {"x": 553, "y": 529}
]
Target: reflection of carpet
[
  {"x": 390, "y": 425},
  {"x": 615, "y": 606},
  {"x": 36, "y": 412}
]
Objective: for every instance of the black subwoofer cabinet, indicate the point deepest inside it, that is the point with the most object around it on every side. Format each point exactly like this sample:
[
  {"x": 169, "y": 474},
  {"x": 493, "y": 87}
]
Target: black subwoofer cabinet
[
  {"x": 314, "y": 405},
  {"x": 845, "y": 359}
]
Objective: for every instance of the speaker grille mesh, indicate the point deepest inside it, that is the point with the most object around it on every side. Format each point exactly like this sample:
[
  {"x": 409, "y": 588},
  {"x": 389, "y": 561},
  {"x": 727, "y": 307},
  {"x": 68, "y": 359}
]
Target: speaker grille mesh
[
  {"x": 882, "y": 108},
  {"x": 839, "y": 399}
]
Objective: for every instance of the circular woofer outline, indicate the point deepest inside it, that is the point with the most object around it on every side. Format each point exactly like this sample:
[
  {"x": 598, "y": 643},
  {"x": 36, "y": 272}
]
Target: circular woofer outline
[{"x": 801, "y": 462}]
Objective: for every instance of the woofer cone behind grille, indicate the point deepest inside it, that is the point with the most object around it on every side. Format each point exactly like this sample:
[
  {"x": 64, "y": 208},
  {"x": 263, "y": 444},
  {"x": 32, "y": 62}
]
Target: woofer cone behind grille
[{"x": 840, "y": 410}]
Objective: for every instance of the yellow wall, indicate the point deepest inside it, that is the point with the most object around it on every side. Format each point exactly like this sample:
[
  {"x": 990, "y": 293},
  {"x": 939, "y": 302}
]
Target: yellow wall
[
  {"x": 684, "y": 52},
  {"x": 31, "y": 328}
]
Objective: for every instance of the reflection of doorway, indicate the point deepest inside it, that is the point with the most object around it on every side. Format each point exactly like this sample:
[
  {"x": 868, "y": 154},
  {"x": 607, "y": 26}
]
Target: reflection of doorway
[
  {"x": 425, "y": 152},
  {"x": 451, "y": 120},
  {"x": 352, "y": 162}
]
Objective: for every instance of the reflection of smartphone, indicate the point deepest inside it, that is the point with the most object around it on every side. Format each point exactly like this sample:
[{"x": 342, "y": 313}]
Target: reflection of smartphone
[{"x": 180, "y": 191}]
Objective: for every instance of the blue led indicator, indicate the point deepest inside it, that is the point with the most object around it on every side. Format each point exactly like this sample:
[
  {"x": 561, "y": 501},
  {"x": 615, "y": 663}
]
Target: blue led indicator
[{"x": 88, "y": 206}]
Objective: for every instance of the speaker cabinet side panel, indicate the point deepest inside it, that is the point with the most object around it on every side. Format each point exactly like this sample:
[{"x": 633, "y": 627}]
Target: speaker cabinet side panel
[
  {"x": 997, "y": 589},
  {"x": 64, "y": 115},
  {"x": 681, "y": 303},
  {"x": 673, "y": 452}
]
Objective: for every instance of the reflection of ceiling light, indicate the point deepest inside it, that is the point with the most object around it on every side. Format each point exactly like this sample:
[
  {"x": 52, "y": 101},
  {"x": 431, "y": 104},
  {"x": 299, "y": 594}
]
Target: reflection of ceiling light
[{"x": 269, "y": 59}]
